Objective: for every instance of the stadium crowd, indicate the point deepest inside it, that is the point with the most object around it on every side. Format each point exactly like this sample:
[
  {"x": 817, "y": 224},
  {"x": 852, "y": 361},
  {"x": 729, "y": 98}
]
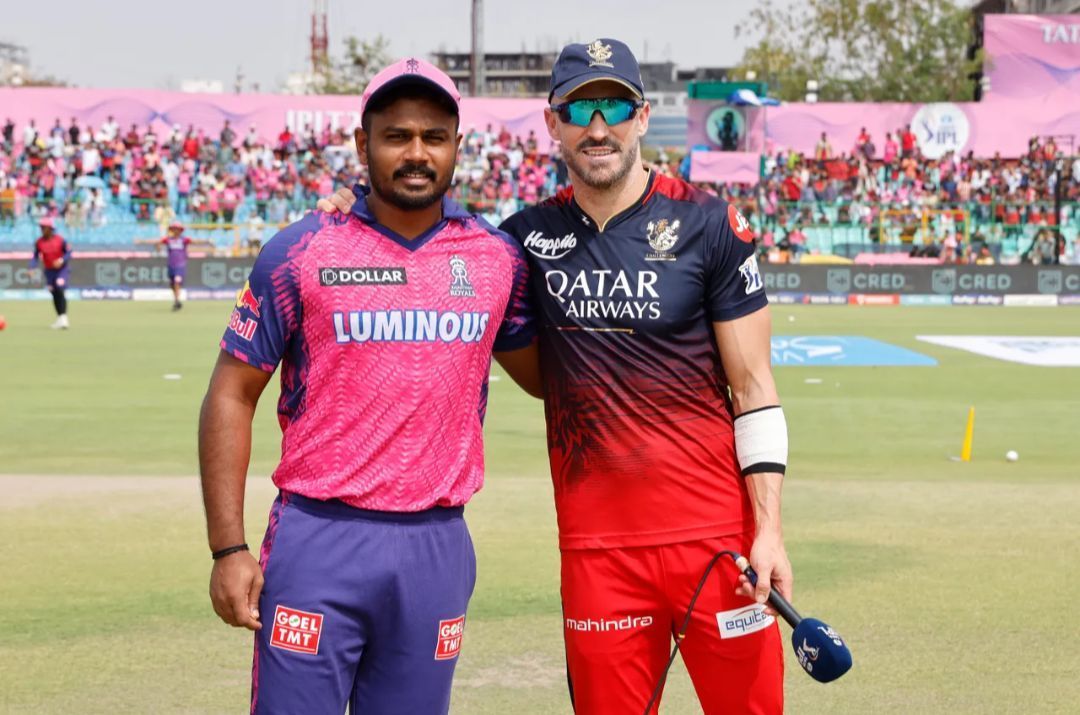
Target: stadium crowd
[
  {"x": 887, "y": 193},
  {"x": 74, "y": 172}
]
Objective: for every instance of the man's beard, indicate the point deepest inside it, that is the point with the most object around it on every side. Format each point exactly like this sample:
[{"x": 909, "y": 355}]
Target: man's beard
[
  {"x": 409, "y": 200},
  {"x": 602, "y": 178}
]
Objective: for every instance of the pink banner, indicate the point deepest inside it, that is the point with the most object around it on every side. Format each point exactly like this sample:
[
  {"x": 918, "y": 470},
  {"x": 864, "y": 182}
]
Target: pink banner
[
  {"x": 985, "y": 128},
  {"x": 1032, "y": 56},
  {"x": 727, "y": 167},
  {"x": 269, "y": 113}
]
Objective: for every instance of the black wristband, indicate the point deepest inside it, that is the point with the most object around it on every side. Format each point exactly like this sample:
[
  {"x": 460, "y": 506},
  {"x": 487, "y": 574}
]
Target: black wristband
[{"x": 230, "y": 550}]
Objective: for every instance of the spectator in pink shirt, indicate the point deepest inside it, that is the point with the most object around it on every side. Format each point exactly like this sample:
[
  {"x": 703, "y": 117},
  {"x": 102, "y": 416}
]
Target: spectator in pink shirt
[
  {"x": 230, "y": 198},
  {"x": 213, "y": 204},
  {"x": 891, "y": 149},
  {"x": 183, "y": 190}
]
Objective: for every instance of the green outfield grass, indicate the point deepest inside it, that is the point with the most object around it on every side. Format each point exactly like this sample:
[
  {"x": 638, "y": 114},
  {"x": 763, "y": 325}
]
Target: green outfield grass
[{"x": 952, "y": 582}]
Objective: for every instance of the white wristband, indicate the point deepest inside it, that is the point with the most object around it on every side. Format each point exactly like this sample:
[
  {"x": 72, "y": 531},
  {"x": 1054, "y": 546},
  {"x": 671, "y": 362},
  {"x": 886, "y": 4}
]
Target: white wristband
[{"x": 761, "y": 441}]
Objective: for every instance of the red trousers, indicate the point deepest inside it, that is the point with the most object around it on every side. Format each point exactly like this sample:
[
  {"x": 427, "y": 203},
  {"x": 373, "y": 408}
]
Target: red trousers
[{"x": 621, "y": 608}]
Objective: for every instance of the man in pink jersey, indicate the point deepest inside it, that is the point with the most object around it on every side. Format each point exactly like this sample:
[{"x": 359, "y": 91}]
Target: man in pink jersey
[{"x": 384, "y": 322}]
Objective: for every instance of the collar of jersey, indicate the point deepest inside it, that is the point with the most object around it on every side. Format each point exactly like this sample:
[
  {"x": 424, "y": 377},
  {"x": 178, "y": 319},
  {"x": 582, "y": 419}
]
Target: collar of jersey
[
  {"x": 450, "y": 210},
  {"x": 650, "y": 186}
]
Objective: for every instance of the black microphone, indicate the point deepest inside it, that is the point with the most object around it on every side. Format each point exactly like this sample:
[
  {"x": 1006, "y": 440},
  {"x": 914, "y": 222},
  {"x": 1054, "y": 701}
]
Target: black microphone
[{"x": 819, "y": 649}]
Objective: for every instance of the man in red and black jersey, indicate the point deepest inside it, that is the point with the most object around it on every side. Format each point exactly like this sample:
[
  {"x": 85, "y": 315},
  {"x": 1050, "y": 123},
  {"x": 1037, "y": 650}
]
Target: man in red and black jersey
[
  {"x": 53, "y": 254},
  {"x": 667, "y": 442}
]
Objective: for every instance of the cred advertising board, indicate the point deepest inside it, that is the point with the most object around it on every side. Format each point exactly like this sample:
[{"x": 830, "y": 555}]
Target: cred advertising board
[
  {"x": 107, "y": 278},
  {"x": 922, "y": 280}
]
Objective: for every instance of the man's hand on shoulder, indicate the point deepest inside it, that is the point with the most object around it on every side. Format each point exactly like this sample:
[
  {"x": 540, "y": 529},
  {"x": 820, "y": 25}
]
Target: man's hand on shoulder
[{"x": 341, "y": 200}]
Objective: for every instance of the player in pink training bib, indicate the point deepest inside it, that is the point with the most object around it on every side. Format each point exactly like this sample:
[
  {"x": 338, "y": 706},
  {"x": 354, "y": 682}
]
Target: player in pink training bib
[{"x": 384, "y": 323}]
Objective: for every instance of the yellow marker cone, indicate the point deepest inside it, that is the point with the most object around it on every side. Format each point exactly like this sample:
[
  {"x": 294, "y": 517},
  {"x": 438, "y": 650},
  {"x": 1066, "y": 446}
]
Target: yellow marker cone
[{"x": 969, "y": 433}]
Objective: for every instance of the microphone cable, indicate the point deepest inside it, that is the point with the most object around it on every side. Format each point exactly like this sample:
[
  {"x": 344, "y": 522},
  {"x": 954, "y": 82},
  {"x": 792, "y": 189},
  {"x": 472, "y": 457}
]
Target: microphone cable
[{"x": 681, "y": 633}]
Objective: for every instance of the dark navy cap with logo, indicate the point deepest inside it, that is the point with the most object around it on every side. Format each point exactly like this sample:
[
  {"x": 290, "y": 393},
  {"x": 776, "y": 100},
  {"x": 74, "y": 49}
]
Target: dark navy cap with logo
[{"x": 580, "y": 64}]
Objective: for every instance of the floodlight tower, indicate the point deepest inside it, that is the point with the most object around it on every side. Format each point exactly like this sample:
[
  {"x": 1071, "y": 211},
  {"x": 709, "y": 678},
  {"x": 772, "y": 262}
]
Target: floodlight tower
[
  {"x": 320, "y": 38},
  {"x": 476, "y": 77}
]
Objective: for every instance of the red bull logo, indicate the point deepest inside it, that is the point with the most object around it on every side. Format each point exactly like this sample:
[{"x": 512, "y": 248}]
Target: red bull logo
[
  {"x": 244, "y": 327},
  {"x": 246, "y": 299}
]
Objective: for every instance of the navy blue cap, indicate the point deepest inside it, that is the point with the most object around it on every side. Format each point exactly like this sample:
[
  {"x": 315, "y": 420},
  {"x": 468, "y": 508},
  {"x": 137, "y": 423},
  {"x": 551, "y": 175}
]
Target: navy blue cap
[{"x": 605, "y": 58}]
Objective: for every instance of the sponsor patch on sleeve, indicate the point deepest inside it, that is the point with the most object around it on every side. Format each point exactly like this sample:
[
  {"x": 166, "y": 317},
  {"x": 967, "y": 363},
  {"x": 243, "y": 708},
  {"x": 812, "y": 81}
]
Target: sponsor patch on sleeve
[
  {"x": 449, "y": 638},
  {"x": 296, "y": 630},
  {"x": 743, "y": 621},
  {"x": 739, "y": 225},
  {"x": 751, "y": 275},
  {"x": 244, "y": 327}
]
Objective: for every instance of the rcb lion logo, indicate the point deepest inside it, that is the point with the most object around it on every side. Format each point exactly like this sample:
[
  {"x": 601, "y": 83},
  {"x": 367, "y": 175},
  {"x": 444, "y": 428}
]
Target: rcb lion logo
[
  {"x": 599, "y": 53},
  {"x": 662, "y": 234}
]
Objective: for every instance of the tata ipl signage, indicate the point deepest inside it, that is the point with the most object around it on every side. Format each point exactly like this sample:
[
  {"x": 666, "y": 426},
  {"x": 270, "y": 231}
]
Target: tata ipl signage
[
  {"x": 1004, "y": 125},
  {"x": 1032, "y": 57},
  {"x": 1033, "y": 64}
]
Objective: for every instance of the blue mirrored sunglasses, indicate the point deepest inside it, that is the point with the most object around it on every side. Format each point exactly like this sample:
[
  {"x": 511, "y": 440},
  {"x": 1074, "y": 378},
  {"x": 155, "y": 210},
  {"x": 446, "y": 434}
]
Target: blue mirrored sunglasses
[{"x": 614, "y": 110}]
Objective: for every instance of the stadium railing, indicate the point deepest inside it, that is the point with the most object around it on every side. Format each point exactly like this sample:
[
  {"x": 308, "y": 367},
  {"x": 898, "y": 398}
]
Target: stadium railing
[
  {"x": 847, "y": 228},
  {"x": 842, "y": 228},
  {"x": 123, "y": 220}
]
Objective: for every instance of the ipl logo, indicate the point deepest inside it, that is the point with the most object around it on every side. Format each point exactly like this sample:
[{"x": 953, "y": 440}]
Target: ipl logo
[
  {"x": 807, "y": 655},
  {"x": 750, "y": 274},
  {"x": 460, "y": 287},
  {"x": 940, "y": 128}
]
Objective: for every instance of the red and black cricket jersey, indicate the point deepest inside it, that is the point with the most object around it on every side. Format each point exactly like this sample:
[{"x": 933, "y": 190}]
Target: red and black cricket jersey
[
  {"x": 639, "y": 419},
  {"x": 51, "y": 250}
]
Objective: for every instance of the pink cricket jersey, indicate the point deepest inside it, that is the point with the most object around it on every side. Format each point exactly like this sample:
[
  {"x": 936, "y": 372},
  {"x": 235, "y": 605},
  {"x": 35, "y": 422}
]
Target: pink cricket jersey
[{"x": 385, "y": 345}]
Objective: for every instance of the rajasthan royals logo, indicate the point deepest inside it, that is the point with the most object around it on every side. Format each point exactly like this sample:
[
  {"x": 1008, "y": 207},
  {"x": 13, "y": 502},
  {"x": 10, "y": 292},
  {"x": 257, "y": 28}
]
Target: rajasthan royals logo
[
  {"x": 662, "y": 236},
  {"x": 599, "y": 53},
  {"x": 412, "y": 65},
  {"x": 460, "y": 286}
]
